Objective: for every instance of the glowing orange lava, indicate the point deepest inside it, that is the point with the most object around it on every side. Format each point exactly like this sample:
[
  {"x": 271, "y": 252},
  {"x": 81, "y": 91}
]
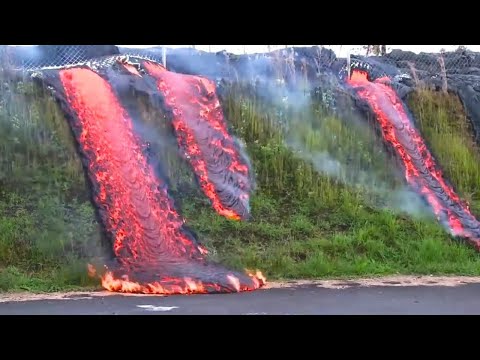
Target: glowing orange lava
[
  {"x": 155, "y": 252},
  {"x": 197, "y": 111},
  {"x": 421, "y": 171},
  {"x": 175, "y": 286},
  {"x": 106, "y": 136}
]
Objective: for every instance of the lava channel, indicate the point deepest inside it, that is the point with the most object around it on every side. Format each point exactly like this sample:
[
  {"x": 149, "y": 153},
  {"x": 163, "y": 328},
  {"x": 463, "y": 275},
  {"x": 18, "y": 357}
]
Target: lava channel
[
  {"x": 154, "y": 251},
  {"x": 204, "y": 140},
  {"x": 421, "y": 171}
]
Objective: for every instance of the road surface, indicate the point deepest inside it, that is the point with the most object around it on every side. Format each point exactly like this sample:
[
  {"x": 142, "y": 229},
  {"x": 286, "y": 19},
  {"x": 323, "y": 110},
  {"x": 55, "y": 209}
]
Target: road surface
[{"x": 388, "y": 297}]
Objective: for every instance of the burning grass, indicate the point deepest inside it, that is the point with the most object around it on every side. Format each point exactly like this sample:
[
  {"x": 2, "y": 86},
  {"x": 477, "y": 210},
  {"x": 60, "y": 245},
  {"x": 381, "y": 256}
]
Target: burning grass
[{"x": 304, "y": 225}]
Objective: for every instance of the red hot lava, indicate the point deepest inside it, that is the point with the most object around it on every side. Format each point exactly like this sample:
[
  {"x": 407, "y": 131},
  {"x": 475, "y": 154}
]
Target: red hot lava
[
  {"x": 155, "y": 252},
  {"x": 421, "y": 172},
  {"x": 202, "y": 135}
]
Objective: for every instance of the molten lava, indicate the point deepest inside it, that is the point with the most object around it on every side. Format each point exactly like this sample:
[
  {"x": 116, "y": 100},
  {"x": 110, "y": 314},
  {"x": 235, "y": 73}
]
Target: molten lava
[
  {"x": 421, "y": 172},
  {"x": 203, "y": 138},
  {"x": 155, "y": 252}
]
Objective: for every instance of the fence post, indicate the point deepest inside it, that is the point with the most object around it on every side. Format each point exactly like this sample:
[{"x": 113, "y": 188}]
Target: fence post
[{"x": 348, "y": 63}]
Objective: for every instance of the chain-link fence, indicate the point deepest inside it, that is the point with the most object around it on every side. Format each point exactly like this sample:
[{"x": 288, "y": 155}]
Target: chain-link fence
[
  {"x": 427, "y": 59},
  {"x": 445, "y": 61},
  {"x": 454, "y": 61},
  {"x": 53, "y": 56}
]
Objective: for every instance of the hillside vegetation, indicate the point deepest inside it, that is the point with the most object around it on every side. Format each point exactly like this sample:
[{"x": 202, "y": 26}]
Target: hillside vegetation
[{"x": 329, "y": 200}]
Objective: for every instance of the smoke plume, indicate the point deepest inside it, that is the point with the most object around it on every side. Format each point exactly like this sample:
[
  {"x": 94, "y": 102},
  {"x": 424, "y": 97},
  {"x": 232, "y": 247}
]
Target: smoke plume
[{"x": 292, "y": 101}]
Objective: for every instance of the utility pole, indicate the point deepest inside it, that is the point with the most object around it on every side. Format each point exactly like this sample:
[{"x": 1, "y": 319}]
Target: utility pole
[{"x": 348, "y": 63}]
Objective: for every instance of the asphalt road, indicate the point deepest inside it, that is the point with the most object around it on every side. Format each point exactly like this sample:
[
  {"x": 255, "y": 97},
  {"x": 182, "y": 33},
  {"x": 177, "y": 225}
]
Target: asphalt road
[{"x": 297, "y": 300}]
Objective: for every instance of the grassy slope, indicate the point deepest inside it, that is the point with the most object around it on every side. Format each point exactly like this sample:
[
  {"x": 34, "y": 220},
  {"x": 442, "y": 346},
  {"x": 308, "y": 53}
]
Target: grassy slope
[
  {"x": 312, "y": 226},
  {"x": 304, "y": 224},
  {"x": 46, "y": 220}
]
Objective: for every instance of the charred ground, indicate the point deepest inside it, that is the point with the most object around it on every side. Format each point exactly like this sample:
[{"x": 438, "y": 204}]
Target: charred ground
[{"x": 303, "y": 224}]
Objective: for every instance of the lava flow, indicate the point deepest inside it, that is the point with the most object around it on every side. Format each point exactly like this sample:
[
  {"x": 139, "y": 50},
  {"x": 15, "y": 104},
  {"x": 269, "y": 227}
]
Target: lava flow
[
  {"x": 154, "y": 251},
  {"x": 203, "y": 138},
  {"x": 421, "y": 172}
]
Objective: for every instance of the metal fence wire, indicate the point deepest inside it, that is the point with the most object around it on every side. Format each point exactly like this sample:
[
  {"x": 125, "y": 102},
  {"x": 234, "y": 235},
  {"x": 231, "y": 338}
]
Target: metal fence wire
[
  {"x": 53, "y": 56},
  {"x": 460, "y": 60}
]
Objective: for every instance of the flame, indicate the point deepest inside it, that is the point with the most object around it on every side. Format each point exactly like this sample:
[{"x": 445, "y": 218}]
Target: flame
[
  {"x": 421, "y": 171},
  {"x": 257, "y": 275},
  {"x": 358, "y": 76},
  {"x": 155, "y": 252},
  {"x": 258, "y": 278},
  {"x": 171, "y": 286},
  {"x": 202, "y": 134},
  {"x": 203, "y": 250}
]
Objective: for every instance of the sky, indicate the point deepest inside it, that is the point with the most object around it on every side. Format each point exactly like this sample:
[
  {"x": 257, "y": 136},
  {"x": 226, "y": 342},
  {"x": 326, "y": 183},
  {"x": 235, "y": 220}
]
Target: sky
[{"x": 340, "y": 50}]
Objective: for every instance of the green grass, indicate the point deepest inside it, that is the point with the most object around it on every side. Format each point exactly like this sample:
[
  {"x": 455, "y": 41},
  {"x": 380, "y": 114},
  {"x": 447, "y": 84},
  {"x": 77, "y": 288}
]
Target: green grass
[
  {"x": 365, "y": 243},
  {"x": 306, "y": 223},
  {"x": 47, "y": 223},
  {"x": 450, "y": 138}
]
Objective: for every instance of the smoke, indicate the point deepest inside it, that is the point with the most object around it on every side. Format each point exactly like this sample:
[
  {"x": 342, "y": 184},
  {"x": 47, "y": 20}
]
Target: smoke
[
  {"x": 289, "y": 95},
  {"x": 204, "y": 139},
  {"x": 401, "y": 199},
  {"x": 279, "y": 82},
  {"x": 422, "y": 172}
]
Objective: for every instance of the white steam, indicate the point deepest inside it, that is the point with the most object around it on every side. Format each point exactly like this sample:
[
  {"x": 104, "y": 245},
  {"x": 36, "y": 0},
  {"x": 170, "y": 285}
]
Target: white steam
[{"x": 401, "y": 199}]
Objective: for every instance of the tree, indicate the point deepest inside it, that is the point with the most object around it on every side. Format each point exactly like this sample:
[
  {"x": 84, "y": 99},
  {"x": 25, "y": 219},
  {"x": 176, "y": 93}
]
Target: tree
[{"x": 377, "y": 50}]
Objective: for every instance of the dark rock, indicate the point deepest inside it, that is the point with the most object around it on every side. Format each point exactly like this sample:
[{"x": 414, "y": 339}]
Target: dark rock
[
  {"x": 398, "y": 55},
  {"x": 292, "y": 65},
  {"x": 462, "y": 70}
]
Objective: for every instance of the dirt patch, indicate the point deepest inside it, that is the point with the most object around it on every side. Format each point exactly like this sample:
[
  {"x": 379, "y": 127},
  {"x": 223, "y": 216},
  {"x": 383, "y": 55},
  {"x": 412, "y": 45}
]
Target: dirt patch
[{"x": 449, "y": 281}]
